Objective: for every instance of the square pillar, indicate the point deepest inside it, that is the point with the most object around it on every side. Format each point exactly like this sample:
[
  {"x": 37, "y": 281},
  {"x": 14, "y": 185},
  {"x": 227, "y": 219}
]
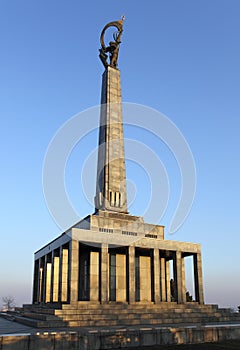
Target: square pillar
[
  {"x": 56, "y": 264},
  {"x": 179, "y": 278},
  {"x": 156, "y": 261},
  {"x": 112, "y": 276},
  {"x": 48, "y": 282},
  {"x": 198, "y": 279},
  {"x": 74, "y": 262},
  {"x": 184, "y": 297},
  {"x": 131, "y": 274},
  {"x": 94, "y": 276},
  {"x": 52, "y": 276},
  {"x": 120, "y": 277},
  {"x": 64, "y": 275},
  {"x": 41, "y": 279},
  {"x": 145, "y": 278},
  {"x": 60, "y": 275},
  {"x": 36, "y": 272},
  {"x": 168, "y": 287},
  {"x": 104, "y": 273},
  {"x": 44, "y": 279},
  {"x": 163, "y": 279}
]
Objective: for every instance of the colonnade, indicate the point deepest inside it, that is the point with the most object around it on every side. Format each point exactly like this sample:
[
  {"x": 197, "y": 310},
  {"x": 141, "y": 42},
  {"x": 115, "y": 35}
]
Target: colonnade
[{"x": 78, "y": 272}]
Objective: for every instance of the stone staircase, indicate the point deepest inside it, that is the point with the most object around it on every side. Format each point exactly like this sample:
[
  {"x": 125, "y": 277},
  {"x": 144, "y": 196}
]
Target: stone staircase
[{"x": 84, "y": 314}]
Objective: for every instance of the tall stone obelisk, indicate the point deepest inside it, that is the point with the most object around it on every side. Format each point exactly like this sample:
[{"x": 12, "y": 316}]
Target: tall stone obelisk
[{"x": 111, "y": 174}]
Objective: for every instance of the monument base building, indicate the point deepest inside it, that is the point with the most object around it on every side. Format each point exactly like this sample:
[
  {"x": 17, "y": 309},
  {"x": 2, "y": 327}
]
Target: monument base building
[{"x": 92, "y": 262}]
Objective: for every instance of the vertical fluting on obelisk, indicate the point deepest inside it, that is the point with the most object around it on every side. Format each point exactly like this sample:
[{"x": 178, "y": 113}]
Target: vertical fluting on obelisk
[{"x": 111, "y": 173}]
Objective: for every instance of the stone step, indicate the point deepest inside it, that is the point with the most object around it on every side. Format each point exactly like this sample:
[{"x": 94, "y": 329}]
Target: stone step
[
  {"x": 42, "y": 306},
  {"x": 39, "y": 323},
  {"x": 38, "y": 316},
  {"x": 191, "y": 307},
  {"x": 138, "y": 312},
  {"x": 42, "y": 311},
  {"x": 19, "y": 309},
  {"x": 124, "y": 311},
  {"x": 107, "y": 322},
  {"x": 131, "y": 310},
  {"x": 110, "y": 320},
  {"x": 136, "y": 321},
  {"x": 120, "y": 306},
  {"x": 102, "y": 313},
  {"x": 155, "y": 308},
  {"x": 180, "y": 318},
  {"x": 88, "y": 314},
  {"x": 163, "y": 313}
]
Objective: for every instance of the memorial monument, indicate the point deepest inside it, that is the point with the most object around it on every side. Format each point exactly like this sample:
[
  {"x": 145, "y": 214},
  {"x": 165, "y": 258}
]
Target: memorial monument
[
  {"x": 112, "y": 268},
  {"x": 70, "y": 270}
]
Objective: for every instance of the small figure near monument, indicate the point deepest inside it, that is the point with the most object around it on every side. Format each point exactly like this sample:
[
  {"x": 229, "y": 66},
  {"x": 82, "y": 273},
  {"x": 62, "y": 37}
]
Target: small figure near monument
[{"x": 113, "y": 47}]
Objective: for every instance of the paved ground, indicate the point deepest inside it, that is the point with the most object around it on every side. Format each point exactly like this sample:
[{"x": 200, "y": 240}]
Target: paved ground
[{"x": 9, "y": 327}]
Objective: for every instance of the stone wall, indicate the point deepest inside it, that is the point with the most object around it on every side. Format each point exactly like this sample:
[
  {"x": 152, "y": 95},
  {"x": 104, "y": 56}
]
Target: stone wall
[{"x": 116, "y": 339}]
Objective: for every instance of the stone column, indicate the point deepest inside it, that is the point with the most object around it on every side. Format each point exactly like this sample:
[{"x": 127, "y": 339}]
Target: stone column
[
  {"x": 163, "y": 280},
  {"x": 60, "y": 275},
  {"x": 156, "y": 259},
  {"x": 184, "y": 297},
  {"x": 94, "y": 276},
  {"x": 104, "y": 273},
  {"x": 56, "y": 265},
  {"x": 48, "y": 282},
  {"x": 121, "y": 277},
  {"x": 145, "y": 278},
  {"x": 177, "y": 267},
  {"x": 168, "y": 288},
  {"x": 131, "y": 274},
  {"x": 64, "y": 294},
  {"x": 52, "y": 277},
  {"x": 44, "y": 279},
  {"x": 36, "y": 272},
  {"x": 179, "y": 278},
  {"x": 74, "y": 272},
  {"x": 197, "y": 259},
  {"x": 41, "y": 279}
]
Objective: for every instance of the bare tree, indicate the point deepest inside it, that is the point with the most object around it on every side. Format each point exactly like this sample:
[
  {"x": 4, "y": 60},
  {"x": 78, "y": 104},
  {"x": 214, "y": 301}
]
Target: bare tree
[{"x": 8, "y": 302}]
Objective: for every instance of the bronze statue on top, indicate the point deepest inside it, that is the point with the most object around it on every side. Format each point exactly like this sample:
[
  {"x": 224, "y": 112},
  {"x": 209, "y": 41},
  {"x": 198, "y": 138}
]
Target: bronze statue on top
[{"x": 113, "y": 47}]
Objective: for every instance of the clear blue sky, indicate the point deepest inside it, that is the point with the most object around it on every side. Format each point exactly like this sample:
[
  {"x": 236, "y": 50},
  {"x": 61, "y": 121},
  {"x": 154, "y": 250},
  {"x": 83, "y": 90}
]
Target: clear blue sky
[{"x": 179, "y": 57}]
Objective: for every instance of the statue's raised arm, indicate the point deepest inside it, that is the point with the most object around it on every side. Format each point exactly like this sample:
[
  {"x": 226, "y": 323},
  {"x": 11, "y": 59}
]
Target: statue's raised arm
[{"x": 113, "y": 48}]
